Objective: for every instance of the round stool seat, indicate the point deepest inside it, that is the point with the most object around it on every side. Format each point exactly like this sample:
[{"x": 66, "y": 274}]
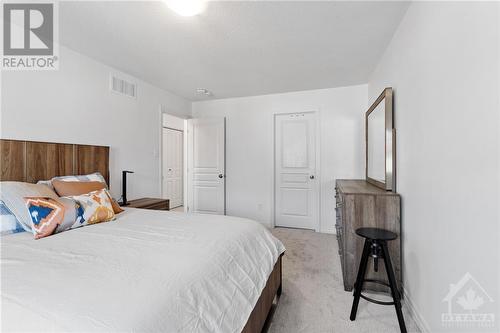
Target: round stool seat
[{"x": 376, "y": 234}]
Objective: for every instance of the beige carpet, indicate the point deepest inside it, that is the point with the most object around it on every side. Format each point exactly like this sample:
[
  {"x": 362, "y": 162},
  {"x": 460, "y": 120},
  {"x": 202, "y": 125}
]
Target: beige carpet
[{"x": 313, "y": 298}]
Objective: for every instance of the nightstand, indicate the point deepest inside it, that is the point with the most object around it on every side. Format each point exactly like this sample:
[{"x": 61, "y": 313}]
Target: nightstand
[{"x": 150, "y": 203}]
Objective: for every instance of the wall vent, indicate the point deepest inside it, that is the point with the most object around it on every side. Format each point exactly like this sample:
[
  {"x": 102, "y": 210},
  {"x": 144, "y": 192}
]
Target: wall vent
[{"x": 123, "y": 87}]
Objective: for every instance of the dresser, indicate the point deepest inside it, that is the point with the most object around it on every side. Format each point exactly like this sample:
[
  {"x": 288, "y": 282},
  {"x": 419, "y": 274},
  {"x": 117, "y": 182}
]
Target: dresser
[{"x": 360, "y": 204}]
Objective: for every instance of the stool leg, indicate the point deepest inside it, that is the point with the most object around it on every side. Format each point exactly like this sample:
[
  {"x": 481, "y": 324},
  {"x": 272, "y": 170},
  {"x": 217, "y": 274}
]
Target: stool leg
[
  {"x": 358, "y": 286},
  {"x": 394, "y": 287}
]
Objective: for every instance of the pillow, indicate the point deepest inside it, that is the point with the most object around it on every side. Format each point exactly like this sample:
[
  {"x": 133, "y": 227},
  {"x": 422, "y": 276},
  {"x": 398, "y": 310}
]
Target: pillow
[
  {"x": 46, "y": 215},
  {"x": 95, "y": 207},
  {"x": 13, "y": 193},
  {"x": 8, "y": 221},
  {"x": 93, "y": 177},
  {"x": 50, "y": 216},
  {"x": 72, "y": 188}
]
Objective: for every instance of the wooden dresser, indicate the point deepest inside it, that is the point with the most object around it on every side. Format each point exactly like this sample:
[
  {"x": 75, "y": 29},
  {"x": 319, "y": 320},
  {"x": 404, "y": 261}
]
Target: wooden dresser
[{"x": 360, "y": 204}]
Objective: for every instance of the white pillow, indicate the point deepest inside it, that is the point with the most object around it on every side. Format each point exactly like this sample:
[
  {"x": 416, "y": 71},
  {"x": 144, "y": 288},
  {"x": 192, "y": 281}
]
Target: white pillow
[
  {"x": 13, "y": 193},
  {"x": 93, "y": 177}
]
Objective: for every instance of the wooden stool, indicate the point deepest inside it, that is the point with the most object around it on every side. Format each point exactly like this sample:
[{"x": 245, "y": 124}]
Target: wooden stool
[{"x": 376, "y": 247}]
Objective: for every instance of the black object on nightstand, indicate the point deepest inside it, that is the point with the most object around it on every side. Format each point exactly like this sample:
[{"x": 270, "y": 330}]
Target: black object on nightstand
[
  {"x": 149, "y": 203},
  {"x": 124, "y": 186},
  {"x": 376, "y": 247}
]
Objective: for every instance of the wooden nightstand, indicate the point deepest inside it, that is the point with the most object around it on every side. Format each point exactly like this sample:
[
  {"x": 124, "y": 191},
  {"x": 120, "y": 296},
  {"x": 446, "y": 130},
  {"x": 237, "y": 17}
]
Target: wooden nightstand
[{"x": 150, "y": 203}]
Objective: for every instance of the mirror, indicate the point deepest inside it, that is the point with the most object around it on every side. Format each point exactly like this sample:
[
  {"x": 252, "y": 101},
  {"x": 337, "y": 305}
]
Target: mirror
[
  {"x": 376, "y": 143},
  {"x": 380, "y": 140}
]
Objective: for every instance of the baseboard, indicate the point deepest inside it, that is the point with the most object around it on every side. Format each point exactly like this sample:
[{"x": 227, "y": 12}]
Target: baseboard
[{"x": 416, "y": 316}]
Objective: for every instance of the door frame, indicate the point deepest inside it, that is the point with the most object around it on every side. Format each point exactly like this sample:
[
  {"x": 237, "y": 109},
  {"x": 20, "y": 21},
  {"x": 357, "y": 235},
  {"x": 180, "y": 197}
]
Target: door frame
[
  {"x": 317, "y": 114},
  {"x": 164, "y": 110}
]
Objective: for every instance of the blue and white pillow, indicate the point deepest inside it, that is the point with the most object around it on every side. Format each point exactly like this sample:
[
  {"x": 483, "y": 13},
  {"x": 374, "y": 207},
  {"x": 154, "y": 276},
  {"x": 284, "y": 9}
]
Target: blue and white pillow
[
  {"x": 8, "y": 221},
  {"x": 93, "y": 177}
]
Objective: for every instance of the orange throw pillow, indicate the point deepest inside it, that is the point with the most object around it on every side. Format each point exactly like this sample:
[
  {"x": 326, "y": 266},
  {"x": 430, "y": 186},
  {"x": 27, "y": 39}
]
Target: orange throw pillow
[{"x": 69, "y": 189}]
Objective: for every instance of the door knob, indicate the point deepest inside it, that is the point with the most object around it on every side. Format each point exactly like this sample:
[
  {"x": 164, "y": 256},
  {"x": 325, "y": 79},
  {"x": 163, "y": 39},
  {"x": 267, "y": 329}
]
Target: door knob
[
  {"x": 221, "y": 175},
  {"x": 311, "y": 177}
]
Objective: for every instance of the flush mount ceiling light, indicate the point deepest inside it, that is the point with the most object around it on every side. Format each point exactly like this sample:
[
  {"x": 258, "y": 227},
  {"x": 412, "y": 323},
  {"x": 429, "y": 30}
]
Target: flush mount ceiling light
[
  {"x": 203, "y": 91},
  {"x": 187, "y": 7}
]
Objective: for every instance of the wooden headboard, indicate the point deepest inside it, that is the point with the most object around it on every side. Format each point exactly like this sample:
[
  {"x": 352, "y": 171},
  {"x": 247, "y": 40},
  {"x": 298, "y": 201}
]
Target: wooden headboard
[{"x": 31, "y": 161}]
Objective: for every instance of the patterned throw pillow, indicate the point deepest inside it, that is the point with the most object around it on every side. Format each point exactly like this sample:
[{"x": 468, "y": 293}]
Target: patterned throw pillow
[
  {"x": 46, "y": 215},
  {"x": 71, "y": 188},
  {"x": 50, "y": 216},
  {"x": 94, "y": 207},
  {"x": 8, "y": 221}
]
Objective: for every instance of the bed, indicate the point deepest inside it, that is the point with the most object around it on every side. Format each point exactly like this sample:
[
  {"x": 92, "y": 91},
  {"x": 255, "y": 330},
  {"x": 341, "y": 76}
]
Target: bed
[{"x": 146, "y": 271}]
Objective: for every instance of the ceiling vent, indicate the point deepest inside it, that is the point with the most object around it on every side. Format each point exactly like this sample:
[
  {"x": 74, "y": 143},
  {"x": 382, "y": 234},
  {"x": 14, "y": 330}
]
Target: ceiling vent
[{"x": 123, "y": 87}]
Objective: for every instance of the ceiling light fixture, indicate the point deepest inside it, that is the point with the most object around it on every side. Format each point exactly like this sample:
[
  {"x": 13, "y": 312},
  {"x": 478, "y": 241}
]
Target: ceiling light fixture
[
  {"x": 204, "y": 91},
  {"x": 187, "y": 7}
]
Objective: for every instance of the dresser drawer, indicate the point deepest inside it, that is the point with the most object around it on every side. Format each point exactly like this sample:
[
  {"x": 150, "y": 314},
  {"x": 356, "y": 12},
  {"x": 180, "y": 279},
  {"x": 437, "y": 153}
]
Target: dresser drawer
[{"x": 339, "y": 239}]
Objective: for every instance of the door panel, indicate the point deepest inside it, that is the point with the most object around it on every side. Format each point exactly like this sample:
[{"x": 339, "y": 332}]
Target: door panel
[
  {"x": 206, "y": 148},
  {"x": 173, "y": 142},
  {"x": 294, "y": 143},
  {"x": 206, "y": 165},
  {"x": 296, "y": 185},
  {"x": 205, "y": 199},
  {"x": 295, "y": 201}
]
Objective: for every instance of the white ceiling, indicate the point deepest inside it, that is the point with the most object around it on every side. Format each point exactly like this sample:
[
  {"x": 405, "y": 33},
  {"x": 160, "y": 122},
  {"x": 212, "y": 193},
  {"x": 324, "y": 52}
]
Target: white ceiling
[{"x": 235, "y": 48}]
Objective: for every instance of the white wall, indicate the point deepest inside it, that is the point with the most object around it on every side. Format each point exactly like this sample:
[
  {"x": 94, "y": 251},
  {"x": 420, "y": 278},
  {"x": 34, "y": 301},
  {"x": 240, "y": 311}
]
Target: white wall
[
  {"x": 75, "y": 105},
  {"x": 443, "y": 64},
  {"x": 250, "y": 149},
  {"x": 173, "y": 122}
]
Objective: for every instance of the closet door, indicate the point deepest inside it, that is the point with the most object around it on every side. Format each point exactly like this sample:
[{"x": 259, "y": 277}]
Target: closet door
[{"x": 172, "y": 166}]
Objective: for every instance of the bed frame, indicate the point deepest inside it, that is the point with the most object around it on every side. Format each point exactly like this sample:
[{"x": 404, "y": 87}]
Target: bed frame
[
  {"x": 262, "y": 309},
  {"x": 31, "y": 161}
]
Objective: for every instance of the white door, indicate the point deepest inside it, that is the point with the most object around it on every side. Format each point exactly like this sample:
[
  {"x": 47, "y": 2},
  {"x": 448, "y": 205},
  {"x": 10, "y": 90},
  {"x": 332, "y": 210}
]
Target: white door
[
  {"x": 172, "y": 166},
  {"x": 296, "y": 181},
  {"x": 206, "y": 166}
]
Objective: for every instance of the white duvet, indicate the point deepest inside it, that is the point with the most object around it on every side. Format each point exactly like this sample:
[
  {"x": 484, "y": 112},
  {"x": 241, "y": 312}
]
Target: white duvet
[{"x": 147, "y": 271}]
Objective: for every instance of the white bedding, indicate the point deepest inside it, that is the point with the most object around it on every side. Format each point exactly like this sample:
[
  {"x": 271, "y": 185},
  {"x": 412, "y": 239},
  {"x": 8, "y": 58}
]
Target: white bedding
[{"x": 147, "y": 271}]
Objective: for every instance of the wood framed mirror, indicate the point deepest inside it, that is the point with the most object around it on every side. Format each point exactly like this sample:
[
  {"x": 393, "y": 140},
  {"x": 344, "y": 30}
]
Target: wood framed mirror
[{"x": 381, "y": 143}]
